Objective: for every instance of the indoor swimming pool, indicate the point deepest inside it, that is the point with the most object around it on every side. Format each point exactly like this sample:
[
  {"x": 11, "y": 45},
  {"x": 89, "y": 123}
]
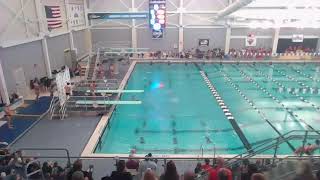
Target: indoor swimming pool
[{"x": 179, "y": 114}]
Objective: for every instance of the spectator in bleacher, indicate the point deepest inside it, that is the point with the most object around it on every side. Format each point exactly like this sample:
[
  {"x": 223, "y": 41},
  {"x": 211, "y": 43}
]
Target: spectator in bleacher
[
  {"x": 318, "y": 175},
  {"x": 170, "y": 172},
  {"x": 57, "y": 171},
  {"x": 120, "y": 173},
  {"x": 252, "y": 168},
  {"x": 149, "y": 175},
  {"x": 132, "y": 163},
  {"x": 223, "y": 174},
  {"x": 206, "y": 165},
  {"x": 32, "y": 168},
  {"x": 304, "y": 171},
  {"x": 146, "y": 164},
  {"x": 198, "y": 168},
  {"x": 189, "y": 175},
  {"x": 308, "y": 149},
  {"x": 78, "y": 175},
  {"x": 258, "y": 176},
  {"x": 3, "y": 145},
  {"x": 46, "y": 170},
  {"x": 77, "y": 166},
  {"x": 220, "y": 164}
]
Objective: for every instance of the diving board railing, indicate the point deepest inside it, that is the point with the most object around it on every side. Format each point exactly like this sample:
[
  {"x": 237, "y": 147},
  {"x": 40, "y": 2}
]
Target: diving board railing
[
  {"x": 87, "y": 68},
  {"x": 106, "y": 102},
  {"x": 98, "y": 82},
  {"x": 110, "y": 91},
  {"x": 96, "y": 63},
  {"x": 97, "y": 103}
]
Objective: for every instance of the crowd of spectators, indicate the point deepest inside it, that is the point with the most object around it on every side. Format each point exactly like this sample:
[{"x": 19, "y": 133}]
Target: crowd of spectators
[
  {"x": 12, "y": 167},
  {"x": 218, "y": 53},
  {"x": 299, "y": 49},
  {"x": 249, "y": 53}
]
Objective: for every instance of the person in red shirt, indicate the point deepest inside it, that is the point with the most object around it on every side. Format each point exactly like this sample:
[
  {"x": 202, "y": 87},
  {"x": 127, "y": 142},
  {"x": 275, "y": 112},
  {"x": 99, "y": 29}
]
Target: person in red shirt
[
  {"x": 206, "y": 166},
  {"x": 220, "y": 172},
  {"x": 211, "y": 171}
]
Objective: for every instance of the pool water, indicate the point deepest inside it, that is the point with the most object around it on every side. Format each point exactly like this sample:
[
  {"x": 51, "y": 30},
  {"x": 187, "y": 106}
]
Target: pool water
[{"x": 179, "y": 115}]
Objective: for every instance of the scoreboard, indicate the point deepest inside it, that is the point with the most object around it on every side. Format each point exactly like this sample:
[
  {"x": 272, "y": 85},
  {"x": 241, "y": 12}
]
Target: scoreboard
[{"x": 157, "y": 17}]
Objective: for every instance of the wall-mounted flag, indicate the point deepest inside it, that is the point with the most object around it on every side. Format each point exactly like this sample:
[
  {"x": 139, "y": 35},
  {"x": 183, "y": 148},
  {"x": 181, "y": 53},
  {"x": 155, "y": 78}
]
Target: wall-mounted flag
[{"x": 53, "y": 14}]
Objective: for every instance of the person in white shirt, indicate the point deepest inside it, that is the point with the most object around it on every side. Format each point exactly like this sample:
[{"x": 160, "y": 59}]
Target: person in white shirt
[{"x": 146, "y": 164}]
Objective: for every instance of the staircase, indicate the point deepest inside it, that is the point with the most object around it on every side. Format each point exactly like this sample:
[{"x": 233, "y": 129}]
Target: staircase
[{"x": 93, "y": 66}]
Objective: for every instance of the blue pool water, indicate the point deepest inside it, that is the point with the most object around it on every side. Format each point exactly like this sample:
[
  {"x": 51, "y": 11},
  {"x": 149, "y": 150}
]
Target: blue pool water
[{"x": 179, "y": 114}]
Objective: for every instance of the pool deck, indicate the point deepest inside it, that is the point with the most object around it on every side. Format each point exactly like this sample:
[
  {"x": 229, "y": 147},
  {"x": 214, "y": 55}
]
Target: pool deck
[{"x": 98, "y": 132}]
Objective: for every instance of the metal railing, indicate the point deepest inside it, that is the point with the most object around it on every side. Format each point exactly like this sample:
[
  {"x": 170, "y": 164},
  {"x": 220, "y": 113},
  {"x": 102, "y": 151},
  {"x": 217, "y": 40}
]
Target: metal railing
[
  {"x": 162, "y": 159},
  {"x": 94, "y": 75},
  {"x": 54, "y": 102},
  {"x": 63, "y": 111},
  {"x": 87, "y": 67},
  {"x": 87, "y": 104},
  {"x": 275, "y": 143}
]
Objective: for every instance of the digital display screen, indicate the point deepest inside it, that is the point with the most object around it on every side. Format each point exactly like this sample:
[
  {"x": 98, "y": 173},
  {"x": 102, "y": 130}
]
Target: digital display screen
[
  {"x": 203, "y": 42},
  {"x": 157, "y": 16}
]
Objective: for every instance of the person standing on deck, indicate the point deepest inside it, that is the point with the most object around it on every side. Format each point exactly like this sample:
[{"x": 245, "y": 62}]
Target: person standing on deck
[
  {"x": 93, "y": 88},
  {"x": 68, "y": 90},
  {"x": 36, "y": 87},
  {"x": 8, "y": 115}
]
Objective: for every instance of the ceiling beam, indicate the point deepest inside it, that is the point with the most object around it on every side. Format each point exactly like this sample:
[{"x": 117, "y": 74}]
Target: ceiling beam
[{"x": 232, "y": 8}]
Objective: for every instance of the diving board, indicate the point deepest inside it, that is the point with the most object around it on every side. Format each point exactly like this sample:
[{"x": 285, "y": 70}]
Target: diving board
[
  {"x": 116, "y": 91},
  {"x": 102, "y": 102}
]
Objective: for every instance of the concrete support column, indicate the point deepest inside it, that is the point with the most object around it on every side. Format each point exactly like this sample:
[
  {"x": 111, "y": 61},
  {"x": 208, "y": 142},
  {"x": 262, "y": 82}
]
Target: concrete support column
[
  {"x": 72, "y": 47},
  {"x": 46, "y": 56},
  {"x": 3, "y": 87},
  {"x": 181, "y": 40},
  {"x": 134, "y": 43},
  {"x": 85, "y": 5},
  {"x": 88, "y": 39},
  {"x": 181, "y": 30},
  {"x": 66, "y": 5},
  {"x": 275, "y": 40},
  {"x": 43, "y": 31},
  {"x": 228, "y": 39}
]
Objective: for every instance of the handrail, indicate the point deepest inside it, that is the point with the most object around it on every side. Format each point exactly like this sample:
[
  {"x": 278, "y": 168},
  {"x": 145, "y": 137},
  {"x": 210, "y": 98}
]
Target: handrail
[
  {"x": 87, "y": 68},
  {"x": 34, "y": 172},
  {"x": 62, "y": 110},
  {"x": 95, "y": 65},
  {"x": 48, "y": 149},
  {"x": 279, "y": 140},
  {"x": 52, "y": 108}
]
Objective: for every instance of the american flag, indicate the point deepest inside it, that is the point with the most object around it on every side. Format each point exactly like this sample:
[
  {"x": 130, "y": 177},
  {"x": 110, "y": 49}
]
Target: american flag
[{"x": 53, "y": 15}]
